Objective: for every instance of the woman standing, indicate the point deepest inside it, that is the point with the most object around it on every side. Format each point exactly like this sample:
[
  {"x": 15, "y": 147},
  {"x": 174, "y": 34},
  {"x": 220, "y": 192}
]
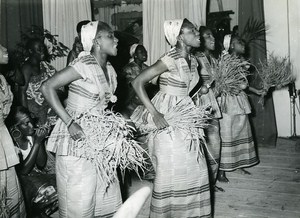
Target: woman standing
[
  {"x": 11, "y": 199},
  {"x": 36, "y": 71},
  {"x": 181, "y": 187},
  {"x": 207, "y": 96},
  {"x": 81, "y": 191},
  {"x": 238, "y": 149}
]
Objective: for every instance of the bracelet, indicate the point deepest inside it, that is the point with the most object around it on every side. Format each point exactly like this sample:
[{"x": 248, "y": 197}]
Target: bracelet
[{"x": 69, "y": 123}]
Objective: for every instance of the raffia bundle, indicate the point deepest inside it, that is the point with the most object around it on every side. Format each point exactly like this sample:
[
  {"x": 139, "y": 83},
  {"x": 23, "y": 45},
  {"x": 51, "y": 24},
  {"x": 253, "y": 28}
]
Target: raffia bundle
[
  {"x": 275, "y": 72},
  {"x": 230, "y": 75},
  {"x": 109, "y": 144}
]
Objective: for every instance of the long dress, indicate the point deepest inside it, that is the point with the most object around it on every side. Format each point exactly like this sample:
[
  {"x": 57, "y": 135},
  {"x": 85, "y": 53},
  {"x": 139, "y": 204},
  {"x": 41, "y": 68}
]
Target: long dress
[
  {"x": 181, "y": 186},
  {"x": 237, "y": 146},
  {"x": 11, "y": 194},
  {"x": 77, "y": 178},
  {"x": 213, "y": 131}
]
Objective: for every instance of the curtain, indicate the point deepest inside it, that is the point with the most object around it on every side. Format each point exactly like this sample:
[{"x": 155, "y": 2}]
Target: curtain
[
  {"x": 61, "y": 18},
  {"x": 262, "y": 118},
  {"x": 18, "y": 16},
  {"x": 155, "y": 12},
  {"x": 283, "y": 40}
]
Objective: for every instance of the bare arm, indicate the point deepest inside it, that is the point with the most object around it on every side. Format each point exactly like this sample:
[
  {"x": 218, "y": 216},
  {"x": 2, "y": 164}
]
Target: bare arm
[
  {"x": 62, "y": 78},
  {"x": 27, "y": 73},
  {"x": 139, "y": 86}
]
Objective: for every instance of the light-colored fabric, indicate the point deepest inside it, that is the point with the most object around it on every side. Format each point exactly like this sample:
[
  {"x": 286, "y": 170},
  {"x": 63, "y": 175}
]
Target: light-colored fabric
[
  {"x": 181, "y": 186},
  {"x": 61, "y": 17},
  {"x": 81, "y": 193},
  {"x": 132, "y": 49},
  {"x": 88, "y": 33},
  {"x": 207, "y": 70},
  {"x": 89, "y": 94},
  {"x": 8, "y": 156},
  {"x": 14, "y": 198},
  {"x": 235, "y": 104},
  {"x": 155, "y": 12},
  {"x": 238, "y": 149},
  {"x": 213, "y": 149},
  {"x": 226, "y": 42},
  {"x": 172, "y": 30}
]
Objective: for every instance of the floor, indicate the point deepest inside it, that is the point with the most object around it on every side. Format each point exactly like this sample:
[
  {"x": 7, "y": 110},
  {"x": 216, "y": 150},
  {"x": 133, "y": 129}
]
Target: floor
[{"x": 272, "y": 190}]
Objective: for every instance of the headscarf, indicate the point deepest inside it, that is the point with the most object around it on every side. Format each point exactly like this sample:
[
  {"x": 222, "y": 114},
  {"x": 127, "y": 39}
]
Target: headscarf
[
  {"x": 88, "y": 33},
  {"x": 132, "y": 51},
  {"x": 226, "y": 42},
  {"x": 172, "y": 30}
]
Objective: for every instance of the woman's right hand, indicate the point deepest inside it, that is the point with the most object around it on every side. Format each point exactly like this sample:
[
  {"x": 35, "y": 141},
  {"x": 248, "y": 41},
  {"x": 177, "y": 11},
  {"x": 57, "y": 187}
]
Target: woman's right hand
[
  {"x": 76, "y": 132},
  {"x": 159, "y": 120},
  {"x": 40, "y": 134}
]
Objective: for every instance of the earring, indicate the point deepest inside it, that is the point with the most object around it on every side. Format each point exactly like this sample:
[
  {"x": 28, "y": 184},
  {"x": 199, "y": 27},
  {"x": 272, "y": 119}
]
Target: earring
[{"x": 16, "y": 134}]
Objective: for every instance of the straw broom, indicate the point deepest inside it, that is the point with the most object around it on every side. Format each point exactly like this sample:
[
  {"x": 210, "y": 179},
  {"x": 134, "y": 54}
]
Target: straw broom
[
  {"x": 275, "y": 72},
  {"x": 230, "y": 75}
]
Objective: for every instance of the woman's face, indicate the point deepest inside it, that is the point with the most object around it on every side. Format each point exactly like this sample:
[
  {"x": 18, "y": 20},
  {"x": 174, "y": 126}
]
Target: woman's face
[
  {"x": 238, "y": 48},
  {"x": 38, "y": 51},
  {"x": 209, "y": 40},
  {"x": 190, "y": 35},
  {"x": 3, "y": 55},
  {"x": 108, "y": 42},
  {"x": 25, "y": 126},
  {"x": 141, "y": 53}
]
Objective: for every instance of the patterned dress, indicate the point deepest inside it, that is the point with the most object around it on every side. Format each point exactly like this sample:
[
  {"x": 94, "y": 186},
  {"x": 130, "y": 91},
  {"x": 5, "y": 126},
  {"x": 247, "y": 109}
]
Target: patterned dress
[
  {"x": 238, "y": 149},
  {"x": 181, "y": 186},
  {"x": 130, "y": 72},
  {"x": 213, "y": 131},
  {"x": 38, "y": 107},
  {"x": 9, "y": 183},
  {"x": 90, "y": 94}
]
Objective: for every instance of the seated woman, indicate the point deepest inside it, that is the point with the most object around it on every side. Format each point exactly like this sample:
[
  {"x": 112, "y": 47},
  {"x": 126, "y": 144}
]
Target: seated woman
[{"x": 37, "y": 167}]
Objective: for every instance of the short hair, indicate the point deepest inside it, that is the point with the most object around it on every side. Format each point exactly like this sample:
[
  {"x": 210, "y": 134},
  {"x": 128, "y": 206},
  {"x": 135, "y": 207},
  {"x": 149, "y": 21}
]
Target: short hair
[
  {"x": 31, "y": 42},
  {"x": 80, "y": 24},
  {"x": 202, "y": 30}
]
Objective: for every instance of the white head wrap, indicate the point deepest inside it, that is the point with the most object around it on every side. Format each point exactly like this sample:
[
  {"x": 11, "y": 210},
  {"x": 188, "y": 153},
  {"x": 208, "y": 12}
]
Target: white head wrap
[
  {"x": 132, "y": 51},
  {"x": 88, "y": 33},
  {"x": 172, "y": 30},
  {"x": 226, "y": 42}
]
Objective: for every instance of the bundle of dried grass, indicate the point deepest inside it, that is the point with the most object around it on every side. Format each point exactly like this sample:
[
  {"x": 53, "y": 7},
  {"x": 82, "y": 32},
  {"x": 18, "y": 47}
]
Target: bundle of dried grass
[
  {"x": 109, "y": 144},
  {"x": 275, "y": 72},
  {"x": 230, "y": 75}
]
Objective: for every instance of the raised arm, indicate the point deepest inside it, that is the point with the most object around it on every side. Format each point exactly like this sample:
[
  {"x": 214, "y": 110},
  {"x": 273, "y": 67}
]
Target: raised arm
[
  {"x": 62, "y": 78},
  {"x": 139, "y": 86}
]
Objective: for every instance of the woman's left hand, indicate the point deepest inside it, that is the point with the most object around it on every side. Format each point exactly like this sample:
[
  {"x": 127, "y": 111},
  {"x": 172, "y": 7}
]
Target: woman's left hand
[{"x": 40, "y": 134}]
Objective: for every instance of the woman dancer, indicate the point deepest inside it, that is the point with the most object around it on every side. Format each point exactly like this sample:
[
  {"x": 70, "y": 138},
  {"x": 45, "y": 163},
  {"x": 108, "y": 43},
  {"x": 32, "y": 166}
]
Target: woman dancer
[
  {"x": 238, "y": 149},
  {"x": 81, "y": 191},
  {"x": 181, "y": 187},
  {"x": 11, "y": 199},
  {"x": 207, "y": 96}
]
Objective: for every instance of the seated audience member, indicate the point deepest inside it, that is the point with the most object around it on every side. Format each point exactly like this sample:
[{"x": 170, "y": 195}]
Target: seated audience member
[{"x": 37, "y": 166}]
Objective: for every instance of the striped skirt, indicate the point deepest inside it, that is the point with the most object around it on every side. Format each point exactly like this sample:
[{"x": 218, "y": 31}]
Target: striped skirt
[
  {"x": 181, "y": 186},
  {"x": 12, "y": 201},
  {"x": 237, "y": 146}
]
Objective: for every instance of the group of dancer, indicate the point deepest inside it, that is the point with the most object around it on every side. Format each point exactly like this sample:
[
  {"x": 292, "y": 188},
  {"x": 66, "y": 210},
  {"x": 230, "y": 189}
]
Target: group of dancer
[{"x": 186, "y": 169}]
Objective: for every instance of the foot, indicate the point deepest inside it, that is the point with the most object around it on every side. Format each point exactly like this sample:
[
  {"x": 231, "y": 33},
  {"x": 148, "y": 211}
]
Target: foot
[
  {"x": 222, "y": 177},
  {"x": 243, "y": 171},
  {"x": 217, "y": 189}
]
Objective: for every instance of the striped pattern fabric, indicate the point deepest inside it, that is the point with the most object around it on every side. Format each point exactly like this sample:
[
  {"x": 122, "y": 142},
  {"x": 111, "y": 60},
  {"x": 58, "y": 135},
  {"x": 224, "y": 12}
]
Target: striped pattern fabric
[
  {"x": 207, "y": 70},
  {"x": 238, "y": 149},
  {"x": 212, "y": 133},
  {"x": 77, "y": 180},
  {"x": 181, "y": 187},
  {"x": 88, "y": 94},
  {"x": 14, "y": 198}
]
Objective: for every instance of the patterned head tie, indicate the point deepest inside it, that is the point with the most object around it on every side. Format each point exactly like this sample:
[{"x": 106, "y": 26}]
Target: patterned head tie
[{"x": 172, "y": 30}]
